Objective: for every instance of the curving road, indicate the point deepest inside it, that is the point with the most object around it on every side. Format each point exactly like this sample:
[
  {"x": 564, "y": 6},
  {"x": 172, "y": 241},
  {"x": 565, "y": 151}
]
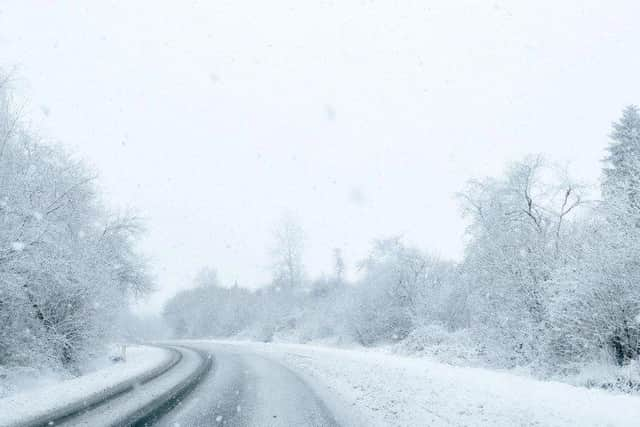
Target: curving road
[
  {"x": 144, "y": 401},
  {"x": 200, "y": 384},
  {"x": 244, "y": 389}
]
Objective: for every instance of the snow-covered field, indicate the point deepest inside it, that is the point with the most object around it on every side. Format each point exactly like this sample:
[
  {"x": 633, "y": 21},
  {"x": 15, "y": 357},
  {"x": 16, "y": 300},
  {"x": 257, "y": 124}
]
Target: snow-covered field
[
  {"x": 390, "y": 390},
  {"x": 43, "y": 400}
]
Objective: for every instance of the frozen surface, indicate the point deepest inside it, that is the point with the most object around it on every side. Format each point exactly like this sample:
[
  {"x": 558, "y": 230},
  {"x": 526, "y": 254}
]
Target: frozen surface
[
  {"x": 140, "y": 359},
  {"x": 386, "y": 389},
  {"x": 126, "y": 408},
  {"x": 247, "y": 389}
]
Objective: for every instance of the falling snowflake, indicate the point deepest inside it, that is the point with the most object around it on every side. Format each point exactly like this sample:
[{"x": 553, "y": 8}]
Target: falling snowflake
[{"x": 18, "y": 246}]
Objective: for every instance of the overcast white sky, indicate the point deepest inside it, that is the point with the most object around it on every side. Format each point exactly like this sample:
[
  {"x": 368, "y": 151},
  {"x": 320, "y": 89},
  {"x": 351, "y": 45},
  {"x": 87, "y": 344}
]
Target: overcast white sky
[{"x": 363, "y": 118}]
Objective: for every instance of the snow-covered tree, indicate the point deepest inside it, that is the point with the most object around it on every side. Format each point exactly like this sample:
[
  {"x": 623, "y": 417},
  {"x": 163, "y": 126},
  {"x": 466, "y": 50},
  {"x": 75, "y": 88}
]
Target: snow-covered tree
[
  {"x": 66, "y": 267},
  {"x": 286, "y": 253},
  {"x": 621, "y": 172},
  {"x": 518, "y": 228},
  {"x": 338, "y": 265},
  {"x": 595, "y": 312},
  {"x": 598, "y": 309}
]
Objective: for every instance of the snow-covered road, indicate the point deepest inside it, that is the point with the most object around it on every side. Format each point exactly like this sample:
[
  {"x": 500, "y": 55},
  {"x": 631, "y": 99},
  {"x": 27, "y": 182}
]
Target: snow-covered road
[
  {"x": 247, "y": 389},
  {"x": 139, "y": 391},
  {"x": 145, "y": 402},
  {"x": 39, "y": 405},
  {"x": 281, "y": 384}
]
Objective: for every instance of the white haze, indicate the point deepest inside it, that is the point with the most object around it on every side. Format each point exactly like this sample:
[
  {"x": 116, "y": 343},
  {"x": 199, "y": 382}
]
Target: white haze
[{"x": 360, "y": 117}]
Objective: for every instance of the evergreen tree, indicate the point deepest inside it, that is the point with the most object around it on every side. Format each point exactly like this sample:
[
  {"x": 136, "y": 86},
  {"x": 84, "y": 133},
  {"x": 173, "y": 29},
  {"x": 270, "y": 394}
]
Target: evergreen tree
[{"x": 621, "y": 174}]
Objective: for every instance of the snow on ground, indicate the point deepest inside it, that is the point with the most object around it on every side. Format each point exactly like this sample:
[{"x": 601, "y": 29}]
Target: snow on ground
[
  {"x": 21, "y": 379},
  {"x": 394, "y": 390},
  {"x": 18, "y": 379},
  {"x": 42, "y": 400}
]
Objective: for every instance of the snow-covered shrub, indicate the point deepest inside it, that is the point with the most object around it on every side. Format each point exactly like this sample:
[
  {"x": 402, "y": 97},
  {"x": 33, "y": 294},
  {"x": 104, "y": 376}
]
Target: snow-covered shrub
[
  {"x": 606, "y": 374},
  {"x": 454, "y": 347},
  {"x": 596, "y": 305},
  {"x": 401, "y": 288},
  {"x": 423, "y": 338}
]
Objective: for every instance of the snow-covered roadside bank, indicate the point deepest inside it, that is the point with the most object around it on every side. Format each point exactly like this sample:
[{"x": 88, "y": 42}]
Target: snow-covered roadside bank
[
  {"x": 23, "y": 379},
  {"x": 55, "y": 397},
  {"x": 394, "y": 390}
]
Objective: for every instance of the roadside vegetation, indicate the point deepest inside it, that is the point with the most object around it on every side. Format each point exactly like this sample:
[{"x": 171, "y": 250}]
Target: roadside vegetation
[
  {"x": 548, "y": 282},
  {"x": 68, "y": 265}
]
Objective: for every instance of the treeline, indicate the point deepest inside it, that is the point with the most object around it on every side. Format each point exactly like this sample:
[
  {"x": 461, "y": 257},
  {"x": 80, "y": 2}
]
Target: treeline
[
  {"x": 67, "y": 265},
  {"x": 550, "y": 277}
]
